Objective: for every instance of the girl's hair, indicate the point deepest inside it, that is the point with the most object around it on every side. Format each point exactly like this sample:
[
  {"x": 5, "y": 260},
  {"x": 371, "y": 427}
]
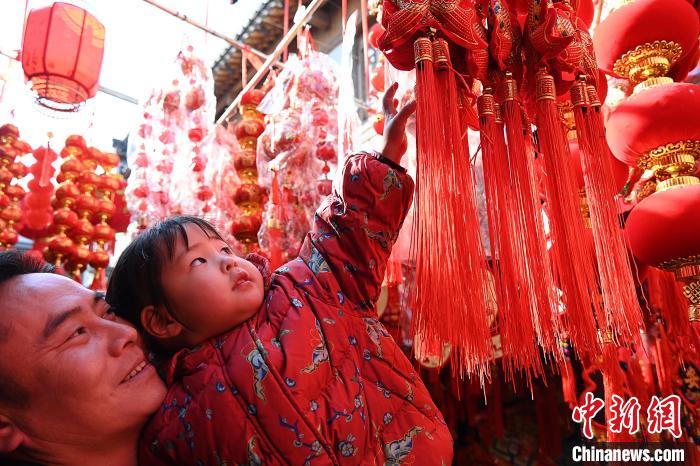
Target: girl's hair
[{"x": 135, "y": 281}]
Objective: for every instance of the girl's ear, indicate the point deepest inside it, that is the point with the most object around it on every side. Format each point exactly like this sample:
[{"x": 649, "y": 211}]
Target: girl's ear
[{"x": 159, "y": 324}]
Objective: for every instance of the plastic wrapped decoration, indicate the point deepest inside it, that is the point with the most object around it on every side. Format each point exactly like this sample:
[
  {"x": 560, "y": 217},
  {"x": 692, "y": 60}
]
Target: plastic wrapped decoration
[
  {"x": 189, "y": 192},
  {"x": 297, "y": 152},
  {"x": 167, "y": 154},
  {"x": 149, "y": 157},
  {"x": 221, "y": 175}
]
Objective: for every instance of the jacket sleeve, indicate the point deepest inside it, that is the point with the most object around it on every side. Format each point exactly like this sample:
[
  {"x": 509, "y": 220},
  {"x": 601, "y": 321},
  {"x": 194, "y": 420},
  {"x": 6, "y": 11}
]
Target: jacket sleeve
[{"x": 356, "y": 226}]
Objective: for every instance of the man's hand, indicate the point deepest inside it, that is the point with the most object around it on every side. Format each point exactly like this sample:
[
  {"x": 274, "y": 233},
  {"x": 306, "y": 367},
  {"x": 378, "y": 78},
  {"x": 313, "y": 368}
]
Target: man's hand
[{"x": 395, "y": 142}]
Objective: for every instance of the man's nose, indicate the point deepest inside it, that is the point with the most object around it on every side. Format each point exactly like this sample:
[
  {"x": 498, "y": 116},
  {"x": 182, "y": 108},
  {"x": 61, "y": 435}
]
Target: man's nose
[{"x": 119, "y": 337}]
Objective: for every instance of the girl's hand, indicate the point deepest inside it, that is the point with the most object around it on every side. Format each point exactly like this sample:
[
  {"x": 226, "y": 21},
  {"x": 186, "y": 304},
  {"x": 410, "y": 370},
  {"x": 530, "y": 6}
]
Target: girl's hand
[{"x": 395, "y": 142}]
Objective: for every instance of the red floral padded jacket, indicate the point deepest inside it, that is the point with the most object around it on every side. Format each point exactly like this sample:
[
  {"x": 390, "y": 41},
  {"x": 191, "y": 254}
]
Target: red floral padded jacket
[{"x": 313, "y": 378}]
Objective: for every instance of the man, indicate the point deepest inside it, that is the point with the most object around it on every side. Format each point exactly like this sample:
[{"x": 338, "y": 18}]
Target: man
[{"x": 75, "y": 386}]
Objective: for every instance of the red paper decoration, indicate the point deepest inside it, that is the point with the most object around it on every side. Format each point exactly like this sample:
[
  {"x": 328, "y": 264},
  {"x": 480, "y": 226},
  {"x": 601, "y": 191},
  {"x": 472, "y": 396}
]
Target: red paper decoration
[{"x": 62, "y": 55}]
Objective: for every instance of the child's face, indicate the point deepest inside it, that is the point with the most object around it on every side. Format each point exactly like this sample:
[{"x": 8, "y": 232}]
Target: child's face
[{"x": 209, "y": 288}]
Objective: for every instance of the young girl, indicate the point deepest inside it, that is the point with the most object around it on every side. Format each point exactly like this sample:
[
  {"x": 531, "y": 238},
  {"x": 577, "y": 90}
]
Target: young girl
[{"x": 290, "y": 367}]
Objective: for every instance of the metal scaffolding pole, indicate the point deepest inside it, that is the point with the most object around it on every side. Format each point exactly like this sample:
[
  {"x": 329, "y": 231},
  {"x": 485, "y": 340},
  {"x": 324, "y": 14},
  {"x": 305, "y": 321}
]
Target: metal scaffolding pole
[
  {"x": 284, "y": 42},
  {"x": 207, "y": 29}
]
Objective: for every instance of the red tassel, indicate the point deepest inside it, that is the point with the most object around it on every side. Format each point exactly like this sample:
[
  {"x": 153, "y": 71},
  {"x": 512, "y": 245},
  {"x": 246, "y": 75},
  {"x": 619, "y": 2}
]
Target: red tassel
[
  {"x": 530, "y": 319},
  {"x": 614, "y": 384},
  {"x": 568, "y": 379},
  {"x": 666, "y": 297},
  {"x": 663, "y": 362},
  {"x": 572, "y": 259},
  {"x": 620, "y": 302},
  {"x": 99, "y": 283},
  {"x": 501, "y": 233},
  {"x": 495, "y": 404},
  {"x": 275, "y": 228},
  {"x": 446, "y": 243}
]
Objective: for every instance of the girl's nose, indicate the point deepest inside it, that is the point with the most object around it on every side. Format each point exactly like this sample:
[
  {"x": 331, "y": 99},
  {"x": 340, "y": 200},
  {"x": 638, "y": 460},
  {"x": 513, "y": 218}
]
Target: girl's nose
[{"x": 227, "y": 263}]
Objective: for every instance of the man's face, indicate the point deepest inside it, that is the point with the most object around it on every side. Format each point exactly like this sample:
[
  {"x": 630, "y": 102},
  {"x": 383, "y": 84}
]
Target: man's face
[{"x": 83, "y": 370}]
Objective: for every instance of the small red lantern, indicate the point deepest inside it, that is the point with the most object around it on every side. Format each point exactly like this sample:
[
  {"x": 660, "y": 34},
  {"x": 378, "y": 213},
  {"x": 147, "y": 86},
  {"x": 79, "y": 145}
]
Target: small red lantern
[{"x": 62, "y": 55}]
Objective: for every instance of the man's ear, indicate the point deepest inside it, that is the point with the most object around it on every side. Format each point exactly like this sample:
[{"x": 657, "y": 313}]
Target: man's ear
[
  {"x": 159, "y": 324},
  {"x": 10, "y": 436}
]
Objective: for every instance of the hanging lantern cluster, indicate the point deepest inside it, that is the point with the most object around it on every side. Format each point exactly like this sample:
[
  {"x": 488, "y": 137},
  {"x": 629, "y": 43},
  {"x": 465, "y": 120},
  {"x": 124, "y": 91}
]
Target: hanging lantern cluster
[
  {"x": 249, "y": 196},
  {"x": 84, "y": 204},
  {"x": 11, "y": 147},
  {"x": 62, "y": 55},
  {"x": 297, "y": 151},
  {"x": 653, "y": 43}
]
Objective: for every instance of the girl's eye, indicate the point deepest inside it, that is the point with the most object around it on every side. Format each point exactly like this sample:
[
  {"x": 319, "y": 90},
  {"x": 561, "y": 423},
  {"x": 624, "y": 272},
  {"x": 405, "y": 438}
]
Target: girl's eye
[
  {"x": 227, "y": 250},
  {"x": 198, "y": 261}
]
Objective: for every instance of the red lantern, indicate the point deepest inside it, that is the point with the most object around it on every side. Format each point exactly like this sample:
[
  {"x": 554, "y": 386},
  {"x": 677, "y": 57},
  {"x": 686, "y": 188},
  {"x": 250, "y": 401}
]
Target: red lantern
[
  {"x": 663, "y": 232},
  {"x": 657, "y": 129},
  {"x": 62, "y": 55},
  {"x": 643, "y": 39},
  {"x": 664, "y": 226}
]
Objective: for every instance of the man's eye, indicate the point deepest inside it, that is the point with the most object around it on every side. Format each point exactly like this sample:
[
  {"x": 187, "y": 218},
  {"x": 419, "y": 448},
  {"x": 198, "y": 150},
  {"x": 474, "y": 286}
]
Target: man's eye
[
  {"x": 198, "y": 261},
  {"x": 110, "y": 314},
  {"x": 78, "y": 332}
]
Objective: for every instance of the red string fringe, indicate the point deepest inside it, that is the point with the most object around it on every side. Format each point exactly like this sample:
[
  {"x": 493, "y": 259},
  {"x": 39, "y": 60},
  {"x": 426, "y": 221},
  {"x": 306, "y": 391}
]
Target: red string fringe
[
  {"x": 449, "y": 303},
  {"x": 623, "y": 314},
  {"x": 572, "y": 259},
  {"x": 529, "y": 316},
  {"x": 666, "y": 296},
  {"x": 614, "y": 384}
]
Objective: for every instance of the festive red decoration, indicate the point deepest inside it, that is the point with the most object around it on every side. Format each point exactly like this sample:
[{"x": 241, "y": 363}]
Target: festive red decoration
[
  {"x": 658, "y": 129},
  {"x": 10, "y": 194},
  {"x": 661, "y": 30},
  {"x": 406, "y": 21},
  {"x": 664, "y": 226},
  {"x": 374, "y": 34},
  {"x": 621, "y": 172},
  {"x": 377, "y": 78},
  {"x": 445, "y": 196},
  {"x": 37, "y": 203},
  {"x": 572, "y": 259},
  {"x": 616, "y": 280},
  {"x": 378, "y": 124},
  {"x": 62, "y": 54},
  {"x": 679, "y": 72}
]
